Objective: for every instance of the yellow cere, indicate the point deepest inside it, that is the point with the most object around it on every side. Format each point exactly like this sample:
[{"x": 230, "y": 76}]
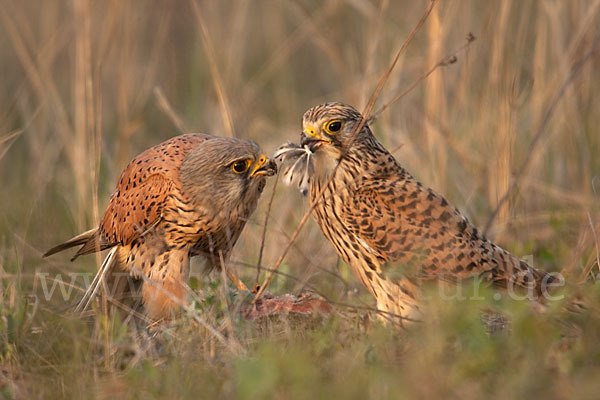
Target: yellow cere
[
  {"x": 309, "y": 130},
  {"x": 261, "y": 160}
]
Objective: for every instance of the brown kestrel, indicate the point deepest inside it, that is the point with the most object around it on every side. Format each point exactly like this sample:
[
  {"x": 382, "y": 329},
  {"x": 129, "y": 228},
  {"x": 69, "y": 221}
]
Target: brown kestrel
[
  {"x": 393, "y": 232},
  {"x": 190, "y": 195}
]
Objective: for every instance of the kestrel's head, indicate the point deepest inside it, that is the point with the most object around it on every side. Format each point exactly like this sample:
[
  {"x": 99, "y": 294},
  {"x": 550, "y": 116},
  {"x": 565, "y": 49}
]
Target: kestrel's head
[
  {"x": 227, "y": 172},
  {"x": 328, "y": 127}
]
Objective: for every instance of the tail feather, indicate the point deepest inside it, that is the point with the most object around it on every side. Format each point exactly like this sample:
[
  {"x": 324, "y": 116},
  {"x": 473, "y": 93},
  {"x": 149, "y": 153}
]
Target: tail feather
[
  {"x": 93, "y": 245},
  {"x": 89, "y": 242},
  {"x": 528, "y": 276},
  {"x": 512, "y": 271},
  {"x": 91, "y": 292},
  {"x": 121, "y": 289}
]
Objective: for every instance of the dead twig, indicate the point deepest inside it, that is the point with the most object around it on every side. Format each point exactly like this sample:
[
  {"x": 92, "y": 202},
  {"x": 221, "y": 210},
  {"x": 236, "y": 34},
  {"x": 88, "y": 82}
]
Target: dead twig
[
  {"x": 264, "y": 232},
  {"x": 451, "y": 59}
]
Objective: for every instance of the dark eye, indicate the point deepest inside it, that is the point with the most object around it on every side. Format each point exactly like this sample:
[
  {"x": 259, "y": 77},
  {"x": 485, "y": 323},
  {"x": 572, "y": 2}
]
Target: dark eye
[
  {"x": 239, "y": 167},
  {"x": 333, "y": 126}
]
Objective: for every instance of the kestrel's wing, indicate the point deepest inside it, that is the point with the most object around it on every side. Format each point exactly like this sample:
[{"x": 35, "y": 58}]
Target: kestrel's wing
[
  {"x": 143, "y": 188},
  {"x": 135, "y": 210},
  {"x": 130, "y": 213},
  {"x": 399, "y": 219}
]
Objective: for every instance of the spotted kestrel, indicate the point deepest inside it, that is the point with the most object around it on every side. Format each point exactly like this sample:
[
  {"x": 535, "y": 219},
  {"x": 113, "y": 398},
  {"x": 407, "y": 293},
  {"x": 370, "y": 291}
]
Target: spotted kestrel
[
  {"x": 190, "y": 195},
  {"x": 393, "y": 232}
]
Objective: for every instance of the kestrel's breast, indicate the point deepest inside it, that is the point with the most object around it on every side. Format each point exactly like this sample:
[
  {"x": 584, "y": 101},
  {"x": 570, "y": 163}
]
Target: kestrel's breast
[{"x": 218, "y": 233}]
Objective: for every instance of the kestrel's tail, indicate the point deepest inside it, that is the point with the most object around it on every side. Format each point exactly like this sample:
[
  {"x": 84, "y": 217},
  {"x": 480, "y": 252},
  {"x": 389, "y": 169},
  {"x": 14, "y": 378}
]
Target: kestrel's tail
[
  {"x": 119, "y": 287},
  {"x": 88, "y": 240},
  {"x": 512, "y": 271},
  {"x": 78, "y": 240}
]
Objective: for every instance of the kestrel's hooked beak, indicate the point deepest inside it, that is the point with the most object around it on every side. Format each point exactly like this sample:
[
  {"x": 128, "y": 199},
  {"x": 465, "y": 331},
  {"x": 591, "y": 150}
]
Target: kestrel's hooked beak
[
  {"x": 264, "y": 167},
  {"x": 310, "y": 138}
]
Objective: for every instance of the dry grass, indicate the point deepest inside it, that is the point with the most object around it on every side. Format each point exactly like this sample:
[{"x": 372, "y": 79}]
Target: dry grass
[{"x": 87, "y": 85}]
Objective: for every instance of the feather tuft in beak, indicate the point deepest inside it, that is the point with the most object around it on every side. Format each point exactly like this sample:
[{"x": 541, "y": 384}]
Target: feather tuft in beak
[{"x": 300, "y": 165}]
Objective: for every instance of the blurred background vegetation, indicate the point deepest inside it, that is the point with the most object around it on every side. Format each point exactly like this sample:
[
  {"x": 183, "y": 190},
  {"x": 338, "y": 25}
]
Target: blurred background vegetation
[{"x": 88, "y": 85}]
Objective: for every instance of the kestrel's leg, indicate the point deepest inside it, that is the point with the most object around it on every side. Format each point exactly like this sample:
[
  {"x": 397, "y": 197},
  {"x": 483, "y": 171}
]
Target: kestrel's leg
[
  {"x": 165, "y": 290},
  {"x": 398, "y": 302}
]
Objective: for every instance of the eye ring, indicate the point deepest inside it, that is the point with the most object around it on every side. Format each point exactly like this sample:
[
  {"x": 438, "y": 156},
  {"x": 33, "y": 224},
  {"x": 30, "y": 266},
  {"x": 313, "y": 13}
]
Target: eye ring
[
  {"x": 240, "y": 166},
  {"x": 334, "y": 126}
]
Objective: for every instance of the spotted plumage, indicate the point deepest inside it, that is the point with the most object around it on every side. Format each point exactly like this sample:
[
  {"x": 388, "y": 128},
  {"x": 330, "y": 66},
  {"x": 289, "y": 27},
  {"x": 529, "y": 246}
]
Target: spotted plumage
[
  {"x": 394, "y": 232},
  {"x": 190, "y": 195}
]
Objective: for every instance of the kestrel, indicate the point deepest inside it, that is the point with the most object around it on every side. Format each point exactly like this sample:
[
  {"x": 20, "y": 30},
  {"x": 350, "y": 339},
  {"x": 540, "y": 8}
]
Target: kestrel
[
  {"x": 190, "y": 195},
  {"x": 393, "y": 232}
]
